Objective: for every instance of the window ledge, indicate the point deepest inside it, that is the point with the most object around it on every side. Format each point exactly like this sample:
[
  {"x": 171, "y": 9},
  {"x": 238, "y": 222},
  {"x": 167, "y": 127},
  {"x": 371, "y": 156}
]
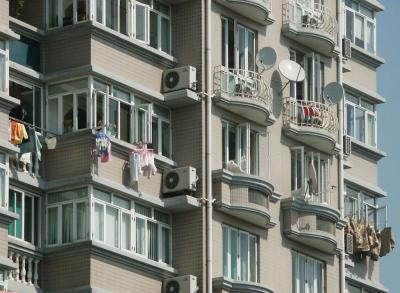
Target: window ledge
[
  {"x": 23, "y": 246},
  {"x": 7, "y": 33},
  {"x": 366, "y": 150},
  {"x": 7, "y": 217},
  {"x": 366, "y": 283},
  {"x": 366, "y": 57},
  {"x": 231, "y": 285},
  {"x": 365, "y": 186},
  {"x": 363, "y": 91},
  {"x": 374, "y": 4},
  {"x": 26, "y": 29}
]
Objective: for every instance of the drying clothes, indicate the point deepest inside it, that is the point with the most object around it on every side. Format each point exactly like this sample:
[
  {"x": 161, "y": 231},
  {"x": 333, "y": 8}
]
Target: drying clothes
[
  {"x": 135, "y": 167},
  {"x": 387, "y": 241},
  {"x": 141, "y": 161},
  {"x": 51, "y": 142},
  {"x": 32, "y": 144},
  {"x": 148, "y": 165},
  {"x": 18, "y": 133},
  {"x": 374, "y": 243},
  {"x": 103, "y": 147}
]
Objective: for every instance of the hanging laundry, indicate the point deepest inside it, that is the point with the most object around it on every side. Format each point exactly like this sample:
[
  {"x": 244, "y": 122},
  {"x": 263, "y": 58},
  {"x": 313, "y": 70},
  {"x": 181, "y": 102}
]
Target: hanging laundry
[
  {"x": 135, "y": 167},
  {"x": 51, "y": 142},
  {"x": 141, "y": 161},
  {"x": 32, "y": 144},
  {"x": 18, "y": 133},
  {"x": 103, "y": 147},
  {"x": 387, "y": 241},
  {"x": 148, "y": 165}
]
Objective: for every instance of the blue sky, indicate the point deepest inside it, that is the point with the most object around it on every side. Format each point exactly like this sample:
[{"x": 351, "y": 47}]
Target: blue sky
[{"x": 388, "y": 46}]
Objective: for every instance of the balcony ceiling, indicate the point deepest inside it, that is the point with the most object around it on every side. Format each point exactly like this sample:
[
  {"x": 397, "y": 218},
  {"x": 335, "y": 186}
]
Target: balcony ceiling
[{"x": 257, "y": 10}]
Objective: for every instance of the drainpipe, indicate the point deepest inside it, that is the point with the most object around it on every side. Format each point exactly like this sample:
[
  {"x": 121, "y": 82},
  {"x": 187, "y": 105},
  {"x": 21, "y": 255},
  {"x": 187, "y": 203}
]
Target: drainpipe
[
  {"x": 339, "y": 12},
  {"x": 208, "y": 149}
]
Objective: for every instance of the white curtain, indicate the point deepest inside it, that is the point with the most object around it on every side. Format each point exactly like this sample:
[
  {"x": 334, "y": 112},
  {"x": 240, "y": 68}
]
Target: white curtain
[
  {"x": 81, "y": 221},
  {"x": 3, "y": 187},
  {"x": 67, "y": 223},
  {"x": 112, "y": 226},
  {"x": 98, "y": 222},
  {"x": 126, "y": 231},
  {"x": 225, "y": 252},
  {"x": 165, "y": 245},
  {"x": 152, "y": 235},
  {"x": 52, "y": 224},
  {"x": 253, "y": 260},
  {"x": 244, "y": 257},
  {"x": 359, "y": 30},
  {"x": 140, "y": 236}
]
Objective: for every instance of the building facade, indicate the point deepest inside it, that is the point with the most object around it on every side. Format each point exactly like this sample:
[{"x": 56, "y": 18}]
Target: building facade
[{"x": 287, "y": 167}]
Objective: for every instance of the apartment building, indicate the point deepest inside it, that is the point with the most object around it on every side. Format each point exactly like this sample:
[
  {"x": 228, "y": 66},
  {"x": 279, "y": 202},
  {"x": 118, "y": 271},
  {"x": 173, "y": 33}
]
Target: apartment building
[{"x": 277, "y": 170}]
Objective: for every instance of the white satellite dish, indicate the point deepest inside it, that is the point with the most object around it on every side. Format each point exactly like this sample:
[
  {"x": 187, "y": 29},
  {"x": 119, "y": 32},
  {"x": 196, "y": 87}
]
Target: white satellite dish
[
  {"x": 266, "y": 58},
  {"x": 333, "y": 93},
  {"x": 292, "y": 70}
]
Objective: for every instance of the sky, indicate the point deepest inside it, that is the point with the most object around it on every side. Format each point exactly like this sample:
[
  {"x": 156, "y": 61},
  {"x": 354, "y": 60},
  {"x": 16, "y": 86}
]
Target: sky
[{"x": 388, "y": 47}]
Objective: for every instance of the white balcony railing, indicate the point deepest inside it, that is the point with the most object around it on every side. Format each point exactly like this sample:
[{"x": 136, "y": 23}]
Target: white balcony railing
[
  {"x": 27, "y": 271},
  {"x": 240, "y": 83},
  {"x": 310, "y": 114},
  {"x": 306, "y": 14}
]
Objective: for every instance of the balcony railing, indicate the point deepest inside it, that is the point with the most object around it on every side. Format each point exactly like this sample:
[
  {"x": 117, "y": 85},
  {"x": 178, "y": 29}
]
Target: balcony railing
[
  {"x": 310, "y": 114},
  {"x": 301, "y": 14},
  {"x": 27, "y": 271},
  {"x": 243, "y": 84}
]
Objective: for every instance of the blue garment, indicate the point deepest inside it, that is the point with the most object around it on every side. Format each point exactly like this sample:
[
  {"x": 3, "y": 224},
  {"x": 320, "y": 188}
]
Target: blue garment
[
  {"x": 103, "y": 147},
  {"x": 32, "y": 145}
]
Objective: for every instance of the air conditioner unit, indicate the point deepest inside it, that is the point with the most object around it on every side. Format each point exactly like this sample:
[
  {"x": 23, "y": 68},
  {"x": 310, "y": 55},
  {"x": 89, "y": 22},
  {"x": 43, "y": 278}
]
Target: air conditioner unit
[
  {"x": 179, "y": 181},
  {"x": 179, "y": 78},
  {"x": 346, "y": 145},
  {"x": 182, "y": 284},
  {"x": 346, "y": 48},
  {"x": 349, "y": 243}
]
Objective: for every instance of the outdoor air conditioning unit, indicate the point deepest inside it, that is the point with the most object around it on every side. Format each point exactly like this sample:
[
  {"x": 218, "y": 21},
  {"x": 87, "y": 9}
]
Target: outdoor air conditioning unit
[
  {"x": 179, "y": 78},
  {"x": 182, "y": 284},
  {"x": 179, "y": 181},
  {"x": 346, "y": 145},
  {"x": 346, "y": 48},
  {"x": 349, "y": 243}
]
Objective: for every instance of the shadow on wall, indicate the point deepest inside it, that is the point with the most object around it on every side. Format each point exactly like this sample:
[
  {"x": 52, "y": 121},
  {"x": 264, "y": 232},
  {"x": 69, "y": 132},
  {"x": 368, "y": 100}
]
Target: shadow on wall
[{"x": 276, "y": 86}]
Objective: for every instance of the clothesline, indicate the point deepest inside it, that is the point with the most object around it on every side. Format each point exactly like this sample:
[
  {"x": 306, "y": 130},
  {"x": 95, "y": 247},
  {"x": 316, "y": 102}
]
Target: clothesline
[{"x": 33, "y": 126}]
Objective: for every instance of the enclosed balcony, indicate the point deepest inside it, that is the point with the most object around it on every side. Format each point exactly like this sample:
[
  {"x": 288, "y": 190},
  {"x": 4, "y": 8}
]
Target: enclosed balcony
[
  {"x": 311, "y": 25},
  {"x": 243, "y": 92},
  {"x": 257, "y": 10},
  {"x": 312, "y": 123}
]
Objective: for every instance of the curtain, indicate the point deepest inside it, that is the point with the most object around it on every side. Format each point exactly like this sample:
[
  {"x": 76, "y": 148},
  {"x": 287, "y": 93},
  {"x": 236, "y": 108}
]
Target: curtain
[
  {"x": 98, "y": 222},
  {"x": 165, "y": 245},
  {"x": 371, "y": 130},
  {"x": 112, "y": 14},
  {"x": 350, "y": 119},
  {"x": 370, "y": 37},
  {"x": 99, "y": 11},
  {"x": 141, "y": 22},
  {"x": 81, "y": 221},
  {"x": 152, "y": 236},
  {"x": 165, "y": 35},
  {"x": 253, "y": 260},
  {"x": 140, "y": 236},
  {"x": 242, "y": 47},
  {"x": 234, "y": 254},
  {"x": 244, "y": 257},
  {"x": 302, "y": 273},
  {"x": 310, "y": 275},
  {"x": 112, "y": 226},
  {"x": 126, "y": 231},
  {"x": 67, "y": 223},
  {"x": 359, "y": 31},
  {"x": 360, "y": 124},
  {"x": 3, "y": 187},
  {"x": 52, "y": 225},
  {"x": 225, "y": 252}
]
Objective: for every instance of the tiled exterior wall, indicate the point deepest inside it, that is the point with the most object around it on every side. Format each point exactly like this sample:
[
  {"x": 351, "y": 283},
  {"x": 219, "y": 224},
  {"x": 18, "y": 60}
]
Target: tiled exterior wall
[
  {"x": 4, "y": 125},
  {"x": 4, "y": 13}
]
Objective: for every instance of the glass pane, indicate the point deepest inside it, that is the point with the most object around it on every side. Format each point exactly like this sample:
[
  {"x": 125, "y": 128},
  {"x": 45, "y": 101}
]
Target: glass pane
[
  {"x": 224, "y": 41},
  {"x": 82, "y": 111},
  {"x": 2, "y": 73},
  {"x": 367, "y": 105},
  {"x": 52, "y": 225},
  {"x": 320, "y": 274},
  {"x": 102, "y": 195},
  {"x": 68, "y": 12},
  {"x": 253, "y": 153},
  {"x": 126, "y": 231},
  {"x": 112, "y": 14},
  {"x": 350, "y": 25},
  {"x": 253, "y": 261},
  {"x": 165, "y": 35},
  {"x": 225, "y": 252},
  {"x": 81, "y": 221},
  {"x": 359, "y": 31},
  {"x": 242, "y": 47},
  {"x": 81, "y": 10},
  {"x": 371, "y": 130},
  {"x": 234, "y": 254},
  {"x": 68, "y": 86},
  {"x": 350, "y": 119},
  {"x": 18, "y": 210},
  {"x": 66, "y": 195},
  {"x": 251, "y": 50},
  {"x": 145, "y": 211},
  {"x": 153, "y": 30},
  {"x": 123, "y": 17},
  {"x": 53, "y": 115},
  {"x": 38, "y": 106},
  {"x": 162, "y": 217},
  {"x": 360, "y": 124},
  {"x": 141, "y": 23},
  {"x": 244, "y": 257},
  {"x": 99, "y": 11},
  {"x": 24, "y": 94},
  {"x": 100, "y": 120},
  {"x": 121, "y": 94},
  {"x": 100, "y": 86},
  {"x": 68, "y": 113},
  {"x": 353, "y": 289},
  {"x": 11, "y": 208},
  {"x": 112, "y": 128},
  {"x": 302, "y": 273},
  {"x": 165, "y": 245},
  {"x": 53, "y": 13},
  {"x": 112, "y": 226},
  {"x": 28, "y": 218},
  {"x": 166, "y": 138},
  {"x": 370, "y": 37},
  {"x": 125, "y": 119},
  {"x": 154, "y": 134},
  {"x": 140, "y": 236},
  {"x": 243, "y": 148},
  {"x": 310, "y": 275},
  {"x": 67, "y": 223},
  {"x": 366, "y": 11},
  {"x": 3, "y": 190},
  {"x": 121, "y": 202},
  {"x": 98, "y": 222},
  {"x": 152, "y": 236},
  {"x": 163, "y": 8}
]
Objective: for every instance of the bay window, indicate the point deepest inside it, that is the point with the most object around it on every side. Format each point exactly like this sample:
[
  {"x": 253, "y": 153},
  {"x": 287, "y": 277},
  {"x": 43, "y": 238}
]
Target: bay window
[
  {"x": 26, "y": 206},
  {"x": 361, "y": 25},
  {"x": 309, "y": 175},
  {"x": 239, "y": 254},
  {"x": 245, "y": 45},
  {"x": 3, "y": 65},
  {"x": 361, "y": 119},
  {"x": 67, "y": 216},
  {"x": 4, "y": 171},
  {"x": 66, "y": 12},
  {"x": 308, "y": 274},
  {"x": 240, "y": 144}
]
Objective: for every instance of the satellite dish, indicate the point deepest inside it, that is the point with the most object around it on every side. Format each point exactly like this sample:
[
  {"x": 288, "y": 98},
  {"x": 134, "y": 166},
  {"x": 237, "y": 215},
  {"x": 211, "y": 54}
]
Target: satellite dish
[
  {"x": 266, "y": 58},
  {"x": 333, "y": 93},
  {"x": 292, "y": 70}
]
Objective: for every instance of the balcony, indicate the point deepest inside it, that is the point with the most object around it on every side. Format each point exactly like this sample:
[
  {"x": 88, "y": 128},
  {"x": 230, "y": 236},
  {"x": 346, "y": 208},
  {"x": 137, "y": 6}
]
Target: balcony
[
  {"x": 243, "y": 196},
  {"x": 311, "y": 223},
  {"x": 312, "y": 26},
  {"x": 243, "y": 92},
  {"x": 311, "y": 123},
  {"x": 257, "y": 10}
]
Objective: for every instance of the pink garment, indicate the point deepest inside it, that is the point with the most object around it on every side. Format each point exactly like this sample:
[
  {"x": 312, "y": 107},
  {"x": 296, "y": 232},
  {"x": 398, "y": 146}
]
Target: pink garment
[{"x": 148, "y": 165}]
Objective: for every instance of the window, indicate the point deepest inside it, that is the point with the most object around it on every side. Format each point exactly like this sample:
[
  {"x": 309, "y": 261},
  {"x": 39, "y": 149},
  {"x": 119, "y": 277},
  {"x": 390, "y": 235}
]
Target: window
[
  {"x": 66, "y": 12},
  {"x": 3, "y": 65},
  {"x": 308, "y": 274},
  {"x": 67, "y": 216},
  {"x": 161, "y": 131},
  {"x": 26, "y": 52},
  {"x": 153, "y": 234},
  {"x": 309, "y": 175},
  {"x": 239, "y": 255},
  {"x": 30, "y": 96},
  {"x": 240, "y": 144},
  {"x": 361, "y": 25},
  {"x": 245, "y": 46},
  {"x": 313, "y": 85},
  {"x": 26, "y": 227},
  {"x": 361, "y": 121},
  {"x": 4, "y": 164},
  {"x": 360, "y": 205}
]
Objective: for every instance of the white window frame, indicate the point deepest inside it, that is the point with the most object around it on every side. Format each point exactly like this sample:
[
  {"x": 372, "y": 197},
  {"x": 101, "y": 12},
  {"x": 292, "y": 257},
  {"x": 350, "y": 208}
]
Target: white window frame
[
  {"x": 60, "y": 13},
  {"x": 366, "y": 19},
  {"x": 367, "y": 112},
  {"x": 5, "y": 54},
  {"x": 25, "y": 194},
  {"x": 296, "y": 273},
  {"x": 5, "y": 167},
  {"x": 229, "y": 258},
  {"x": 160, "y": 120}
]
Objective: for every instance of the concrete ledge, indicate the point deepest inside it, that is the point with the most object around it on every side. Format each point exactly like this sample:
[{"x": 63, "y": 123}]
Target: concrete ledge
[
  {"x": 366, "y": 57},
  {"x": 236, "y": 286},
  {"x": 364, "y": 185},
  {"x": 366, "y": 283},
  {"x": 362, "y": 90}
]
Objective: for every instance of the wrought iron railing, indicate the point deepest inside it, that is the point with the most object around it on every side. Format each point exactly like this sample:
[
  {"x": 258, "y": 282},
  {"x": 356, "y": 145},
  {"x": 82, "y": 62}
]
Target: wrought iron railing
[
  {"x": 240, "y": 83},
  {"x": 306, "y": 14}
]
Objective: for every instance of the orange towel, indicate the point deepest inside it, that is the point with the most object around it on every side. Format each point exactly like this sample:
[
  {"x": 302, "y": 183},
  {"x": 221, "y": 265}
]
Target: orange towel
[{"x": 18, "y": 133}]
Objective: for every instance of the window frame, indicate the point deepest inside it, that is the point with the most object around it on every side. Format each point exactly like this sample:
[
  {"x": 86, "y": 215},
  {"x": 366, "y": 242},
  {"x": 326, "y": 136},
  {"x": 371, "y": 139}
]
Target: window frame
[
  {"x": 296, "y": 282},
  {"x": 60, "y": 13},
  {"x": 5, "y": 54}
]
